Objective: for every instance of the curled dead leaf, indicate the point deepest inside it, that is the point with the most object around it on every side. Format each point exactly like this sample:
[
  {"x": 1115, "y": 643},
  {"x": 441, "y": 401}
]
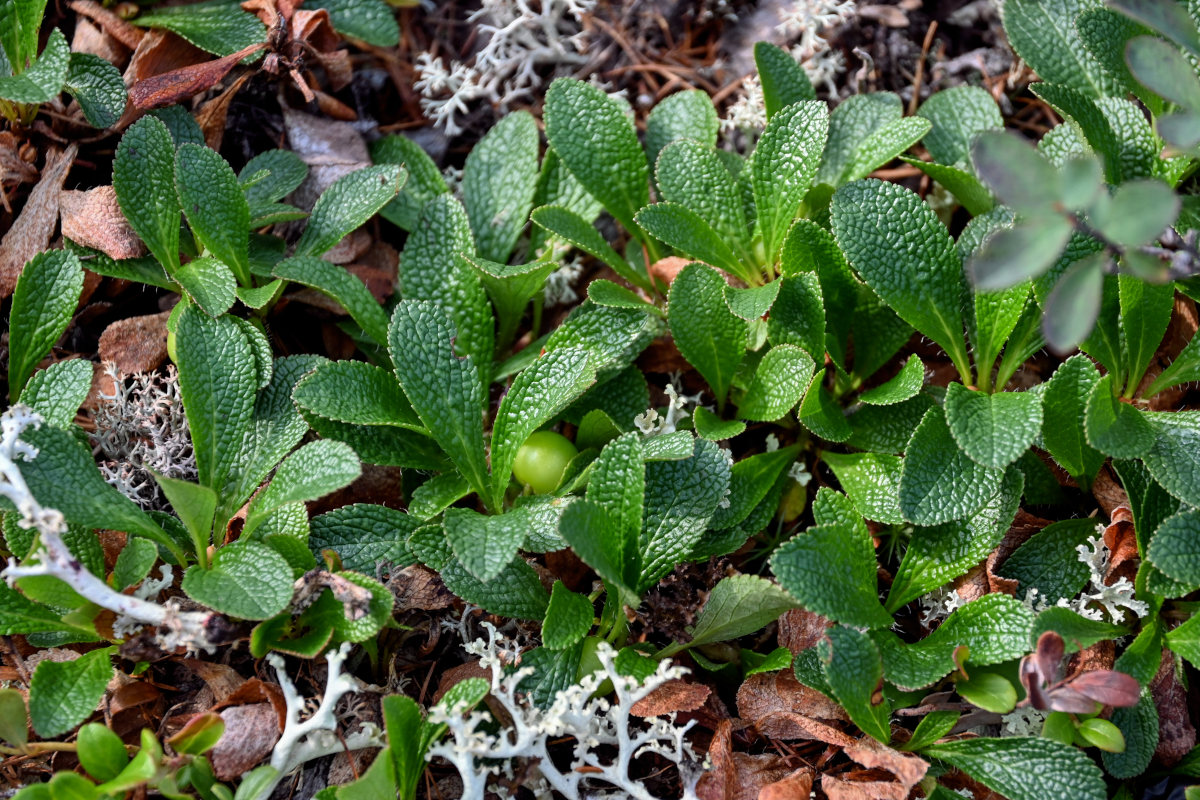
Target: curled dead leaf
[
  {"x": 251, "y": 732},
  {"x": 31, "y": 232},
  {"x": 93, "y": 219},
  {"x": 171, "y": 87},
  {"x": 672, "y": 696}
]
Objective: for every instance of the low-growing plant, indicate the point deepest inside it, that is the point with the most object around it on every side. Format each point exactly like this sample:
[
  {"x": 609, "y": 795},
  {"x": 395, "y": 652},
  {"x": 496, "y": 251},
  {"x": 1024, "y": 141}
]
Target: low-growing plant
[{"x": 29, "y": 79}]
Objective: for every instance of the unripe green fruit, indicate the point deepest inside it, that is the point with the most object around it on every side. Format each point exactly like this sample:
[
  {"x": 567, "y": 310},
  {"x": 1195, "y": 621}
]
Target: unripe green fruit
[{"x": 542, "y": 460}]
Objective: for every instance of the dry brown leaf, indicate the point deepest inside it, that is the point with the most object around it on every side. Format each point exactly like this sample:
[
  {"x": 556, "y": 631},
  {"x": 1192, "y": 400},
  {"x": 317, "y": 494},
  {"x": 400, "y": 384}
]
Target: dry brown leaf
[
  {"x": 418, "y": 587},
  {"x": 838, "y": 789},
  {"x": 93, "y": 219},
  {"x": 124, "y": 32},
  {"x": 720, "y": 782},
  {"x": 1176, "y": 734},
  {"x": 90, "y": 39},
  {"x": 908, "y": 769},
  {"x": 672, "y": 696},
  {"x": 1121, "y": 540},
  {"x": 222, "y": 680},
  {"x": 350, "y": 248},
  {"x": 452, "y": 676},
  {"x": 251, "y": 732},
  {"x": 767, "y": 693},
  {"x": 800, "y": 629},
  {"x": 890, "y": 16},
  {"x": 790, "y": 725},
  {"x": 31, "y": 232},
  {"x": 168, "y": 88},
  {"x": 136, "y": 344},
  {"x": 664, "y": 270},
  {"x": 157, "y": 53},
  {"x": 211, "y": 116},
  {"x": 797, "y": 786}
]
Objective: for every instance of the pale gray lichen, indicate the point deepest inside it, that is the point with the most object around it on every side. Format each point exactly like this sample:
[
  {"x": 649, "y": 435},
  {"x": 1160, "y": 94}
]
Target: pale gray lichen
[
  {"x": 607, "y": 738},
  {"x": 141, "y": 427}
]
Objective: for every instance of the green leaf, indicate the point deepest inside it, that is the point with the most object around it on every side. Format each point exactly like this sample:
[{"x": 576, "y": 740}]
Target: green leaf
[
  {"x": 886, "y": 429},
  {"x": 681, "y": 497},
  {"x": 872, "y": 481},
  {"x": 884, "y": 146},
  {"x": 811, "y": 248},
  {"x": 604, "y": 544},
  {"x": 1174, "y": 460},
  {"x": 784, "y": 81},
  {"x": 854, "y": 669},
  {"x": 19, "y": 33},
  {"x": 1185, "y": 640},
  {"x": 993, "y": 429},
  {"x": 44, "y": 300},
  {"x": 994, "y": 629},
  {"x": 596, "y": 140},
  {"x": 1143, "y": 656},
  {"x": 1049, "y": 562},
  {"x": 569, "y": 617},
  {"x": 614, "y": 337},
  {"x": 1175, "y": 548},
  {"x": 966, "y": 188},
  {"x": 43, "y": 80},
  {"x": 431, "y": 270},
  {"x": 195, "y": 505},
  {"x": 538, "y": 394},
  {"x": 247, "y": 580},
  {"x": 933, "y": 726},
  {"x": 1064, "y": 402},
  {"x": 209, "y": 283},
  {"x": 1161, "y": 68},
  {"x": 751, "y": 482},
  {"x": 215, "y": 206},
  {"x": 691, "y": 174},
  {"x": 20, "y": 615},
  {"x": 98, "y": 87},
  {"x": 939, "y": 482},
  {"x": 958, "y": 114},
  {"x": 357, "y": 393},
  {"x": 516, "y": 592},
  {"x": 1170, "y": 19},
  {"x": 311, "y": 472},
  {"x": 1145, "y": 313},
  {"x": 58, "y": 391},
  {"x": 144, "y": 181},
  {"x": 218, "y": 382},
  {"x": 852, "y": 122},
  {"x": 484, "y": 545},
  {"x": 1107, "y": 34},
  {"x": 939, "y": 554},
  {"x": 363, "y": 535},
  {"x": 604, "y": 292},
  {"x": 821, "y": 414},
  {"x": 272, "y": 175},
  {"x": 134, "y": 563},
  {"x": 574, "y": 229},
  {"x": 180, "y": 123},
  {"x": 220, "y": 27},
  {"x": 753, "y": 302},
  {"x": 902, "y": 386},
  {"x": 798, "y": 315},
  {"x": 499, "y": 179},
  {"x": 1113, "y": 427},
  {"x": 900, "y": 248},
  {"x": 444, "y": 390},
  {"x": 348, "y": 203},
  {"x": 101, "y": 752},
  {"x": 1139, "y": 727},
  {"x": 1078, "y": 632},
  {"x": 707, "y": 334},
  {"x": 1184, "y": 369},
  {"x": 1025, "y": 768},
  {"x": 830, "y": 569},
  {"x": 64, "y": 476},
  {"x": 710, "y": 426},
  {"x": 686, "y": 231},
  {"x": 370, "y": 21},
  {"x": 784, "y": 165},
  {"x": 14, "y": 721},
  {"x": 63, "y": 694},
  {"x": 779, "y": 382},
  {"x": 1043, "y": 33},
  {"x": 737, "y": 606},
  {"x": 340, "y": 285},
  {"x": 683, "y": 115}
]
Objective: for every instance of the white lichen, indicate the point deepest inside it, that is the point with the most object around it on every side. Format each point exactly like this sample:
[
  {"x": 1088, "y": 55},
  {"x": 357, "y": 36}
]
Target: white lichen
[
  {"x": 940, "y": 604},
  {"x": 1023, "y": 721},
  {"x": 524, "y": 43},
  {"x": 560, "y": 284},
  {"x": 607, "y": 738},
  {"x": 1116, "y": 599},
  {"x": 141, "y": 427}
]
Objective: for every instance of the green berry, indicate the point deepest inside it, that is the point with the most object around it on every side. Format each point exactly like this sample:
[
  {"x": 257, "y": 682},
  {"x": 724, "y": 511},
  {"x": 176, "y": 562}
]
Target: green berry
[{"x": 542, "y": 460}]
